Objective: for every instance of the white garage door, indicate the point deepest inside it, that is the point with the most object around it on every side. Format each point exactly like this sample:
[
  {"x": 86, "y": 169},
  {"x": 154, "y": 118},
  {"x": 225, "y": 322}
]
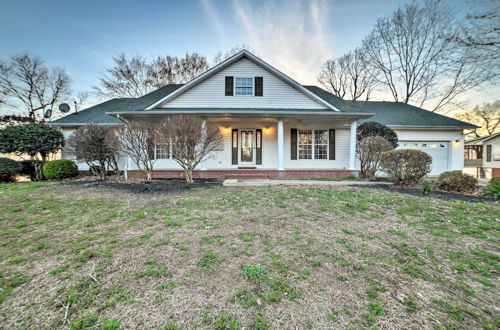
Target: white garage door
[{"x": 438, "y": 150}]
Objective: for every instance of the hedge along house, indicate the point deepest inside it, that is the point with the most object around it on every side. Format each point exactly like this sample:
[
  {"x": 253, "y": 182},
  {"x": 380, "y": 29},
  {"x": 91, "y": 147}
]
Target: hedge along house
[{"x": 273, "y": 126}]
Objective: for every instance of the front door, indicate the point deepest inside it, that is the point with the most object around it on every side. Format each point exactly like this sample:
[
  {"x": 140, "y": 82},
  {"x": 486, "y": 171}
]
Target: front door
[{"x": 247, "y": 147}]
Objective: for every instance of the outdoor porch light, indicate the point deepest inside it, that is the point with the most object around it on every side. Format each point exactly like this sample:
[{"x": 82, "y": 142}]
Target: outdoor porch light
[{"x": 457, "y": 140}]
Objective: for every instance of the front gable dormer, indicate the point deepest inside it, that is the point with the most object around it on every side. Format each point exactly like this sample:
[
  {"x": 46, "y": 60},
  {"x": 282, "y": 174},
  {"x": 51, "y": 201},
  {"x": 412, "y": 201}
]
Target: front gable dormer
[{"x": 243, "y": 81}]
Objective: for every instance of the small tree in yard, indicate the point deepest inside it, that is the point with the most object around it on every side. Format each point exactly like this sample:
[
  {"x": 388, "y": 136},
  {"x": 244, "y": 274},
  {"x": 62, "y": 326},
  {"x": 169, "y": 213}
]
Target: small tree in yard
[
  {"x": 371, "y": 141},
  {"x": 95, "y": 144},
  {"x": 137, "y": 139},
  {"x": 34, "y": 139},
  {"x": 369, "y": 151},
  {"x": 192, "y": 140}
]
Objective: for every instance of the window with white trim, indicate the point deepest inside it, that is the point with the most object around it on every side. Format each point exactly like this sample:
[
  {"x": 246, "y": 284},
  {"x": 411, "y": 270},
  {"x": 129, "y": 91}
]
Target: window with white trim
[
  {"x": 313, "y": 144},
  {"x": 162, "y": 151},
  {"x": 243, "y": 86}
]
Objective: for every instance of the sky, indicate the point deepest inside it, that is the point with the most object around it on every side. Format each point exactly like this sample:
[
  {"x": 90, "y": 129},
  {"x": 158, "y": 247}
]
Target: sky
[{"x": 82, "y": 36}]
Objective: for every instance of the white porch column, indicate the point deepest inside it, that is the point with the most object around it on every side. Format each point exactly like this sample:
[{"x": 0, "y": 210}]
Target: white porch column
[
  {"x": 352, "y": 146},
  {"x": 281, "y": 146},
  {"x": 203, "y": 163}
]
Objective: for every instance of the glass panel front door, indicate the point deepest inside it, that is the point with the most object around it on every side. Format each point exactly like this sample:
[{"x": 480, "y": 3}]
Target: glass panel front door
[{"x": 247, "y": 140}]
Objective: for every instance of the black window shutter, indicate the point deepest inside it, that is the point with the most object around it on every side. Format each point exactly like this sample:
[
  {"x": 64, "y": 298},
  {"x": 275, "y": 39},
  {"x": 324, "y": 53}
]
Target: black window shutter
[
  {"x": 258, "y": 146},
  {"x": 293, "y": 144},
  {"x": 229, "y": 86},
  {"x": 488, "y": 152},
  {"x": 259, "y": 86},
  {"x": 234, "y": 147},
  {"x": 331, "y": 144}
]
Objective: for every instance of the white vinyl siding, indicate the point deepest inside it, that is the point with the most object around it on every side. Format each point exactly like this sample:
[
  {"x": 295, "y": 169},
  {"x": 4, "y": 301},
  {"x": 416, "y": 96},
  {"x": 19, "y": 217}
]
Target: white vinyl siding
[
  {"x": 495, "y": 153},
  {"x": 210, "y": 93}
]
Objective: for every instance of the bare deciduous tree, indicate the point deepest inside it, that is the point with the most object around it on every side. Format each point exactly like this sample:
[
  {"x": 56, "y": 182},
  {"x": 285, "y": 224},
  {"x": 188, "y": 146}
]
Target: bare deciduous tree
[
  {"x": 481, "y": 32},
  {"x": 192, "y": 140},
  {"x": 97, "y": 146},
  {"x": 348, "y": 76},
  {"x": 368, "y": 151},
  {"x": 417, "y": 59},
  {"x": 220, "y": 56},
  {"x": 135, "y": 77},
  {"x": 28, "y": 84},
  {"x": 487, "y": 116},
  {"x": 137, "y": 139}
]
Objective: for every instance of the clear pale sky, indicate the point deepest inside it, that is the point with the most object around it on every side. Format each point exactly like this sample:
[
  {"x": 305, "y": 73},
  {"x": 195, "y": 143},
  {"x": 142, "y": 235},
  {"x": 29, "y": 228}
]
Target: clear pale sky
[{"x": 294, "y": 36}]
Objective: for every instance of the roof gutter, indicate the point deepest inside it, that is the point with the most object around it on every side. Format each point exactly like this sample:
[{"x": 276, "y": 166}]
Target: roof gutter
[
  {"x": 80, "y": 124},
  {"x": 357, "y": 115},
  {"x": 432, "y": 127}
]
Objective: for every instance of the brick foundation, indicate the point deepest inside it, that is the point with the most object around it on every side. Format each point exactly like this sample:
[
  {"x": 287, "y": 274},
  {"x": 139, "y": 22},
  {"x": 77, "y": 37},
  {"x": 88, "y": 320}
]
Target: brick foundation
[
  {"x": 495, "y": 172},
  {"x": 251, "y": 174}
]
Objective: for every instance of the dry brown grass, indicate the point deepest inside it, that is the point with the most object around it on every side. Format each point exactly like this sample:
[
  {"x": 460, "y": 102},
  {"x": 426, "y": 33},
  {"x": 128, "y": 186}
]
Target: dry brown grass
[{"x": 332, "y": 258}]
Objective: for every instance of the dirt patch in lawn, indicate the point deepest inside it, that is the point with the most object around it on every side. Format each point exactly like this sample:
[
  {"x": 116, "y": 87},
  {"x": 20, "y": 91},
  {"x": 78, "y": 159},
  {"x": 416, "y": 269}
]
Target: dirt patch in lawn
[
  {"x": 141, "y": 187},
  {"x": 443, "y": 195}
]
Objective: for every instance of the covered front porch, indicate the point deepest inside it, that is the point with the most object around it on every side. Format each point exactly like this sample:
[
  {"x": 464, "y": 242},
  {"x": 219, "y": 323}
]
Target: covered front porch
[{"x": 272, "y": 146}]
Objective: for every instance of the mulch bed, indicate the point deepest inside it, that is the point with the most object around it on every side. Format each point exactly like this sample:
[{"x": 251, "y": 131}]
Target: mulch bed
[
  {"x": 444, "y": 195},
  {"x": 140, "y": 186}
]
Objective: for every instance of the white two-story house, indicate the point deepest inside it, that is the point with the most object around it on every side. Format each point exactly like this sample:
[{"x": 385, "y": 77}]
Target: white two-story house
[{"x": 275, "y": 127}]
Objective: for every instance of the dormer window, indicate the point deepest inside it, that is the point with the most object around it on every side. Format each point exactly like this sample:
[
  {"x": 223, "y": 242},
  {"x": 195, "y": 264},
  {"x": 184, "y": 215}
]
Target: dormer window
[{"x": 243, "y": 86}]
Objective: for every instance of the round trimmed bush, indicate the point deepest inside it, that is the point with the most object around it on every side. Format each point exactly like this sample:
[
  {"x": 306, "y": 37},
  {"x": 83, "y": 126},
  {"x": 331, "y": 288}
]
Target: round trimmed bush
[
  {"x": 456, "y": 181},
  {"x": 405, "y": 167},
  {"x": 60, "y": 169},
  {"x": 8, "y": 169}
]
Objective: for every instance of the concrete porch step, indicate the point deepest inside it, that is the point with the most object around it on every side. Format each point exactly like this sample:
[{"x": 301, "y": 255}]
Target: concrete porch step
[{"x": 247, "y": 176}]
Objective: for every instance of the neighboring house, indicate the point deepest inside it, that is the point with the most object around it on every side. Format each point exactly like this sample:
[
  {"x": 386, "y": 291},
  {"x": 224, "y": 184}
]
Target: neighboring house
[
  {"x": 482, "y": 156},
  {"x": 275, "y": 127}
]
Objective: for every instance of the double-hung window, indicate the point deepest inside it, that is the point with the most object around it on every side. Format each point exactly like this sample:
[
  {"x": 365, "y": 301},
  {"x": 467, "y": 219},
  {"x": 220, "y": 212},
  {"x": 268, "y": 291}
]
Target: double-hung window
[
  {"x": 243, "y": 86},
  {"x": 313, "y": 143},
  {"x": 162, "y": 151}
]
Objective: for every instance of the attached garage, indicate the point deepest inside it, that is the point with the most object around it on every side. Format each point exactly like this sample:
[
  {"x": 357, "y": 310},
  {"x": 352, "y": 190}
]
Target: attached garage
[{"x": 438, "y": 150}]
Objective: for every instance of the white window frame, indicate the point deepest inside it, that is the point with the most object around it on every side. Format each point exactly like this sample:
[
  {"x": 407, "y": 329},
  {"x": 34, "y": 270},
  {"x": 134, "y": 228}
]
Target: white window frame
[
  {"x": 313, "y": 144},
  {"x": 169, "y": 147},
  {"x": 242, "y": 77}
]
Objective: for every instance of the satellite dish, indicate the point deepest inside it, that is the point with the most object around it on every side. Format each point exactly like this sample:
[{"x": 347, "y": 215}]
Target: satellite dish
[
  {"x": 48, "y": 113},
  {"x": 64, "y": 107}
]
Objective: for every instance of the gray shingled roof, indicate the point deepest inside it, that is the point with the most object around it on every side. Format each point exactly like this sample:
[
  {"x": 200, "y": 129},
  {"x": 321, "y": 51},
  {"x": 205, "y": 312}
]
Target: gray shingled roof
[
  {"x": 97, "y": 113},
  {"x": 388, "y": 113},
  {"x": 391, "y": 113}
]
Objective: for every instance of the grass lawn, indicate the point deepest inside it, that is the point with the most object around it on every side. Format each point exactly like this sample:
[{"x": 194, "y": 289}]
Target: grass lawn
[{"x": 259, "y": 258}]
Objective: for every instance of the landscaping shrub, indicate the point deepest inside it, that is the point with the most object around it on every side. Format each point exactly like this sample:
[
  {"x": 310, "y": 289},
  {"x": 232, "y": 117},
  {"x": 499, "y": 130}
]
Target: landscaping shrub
[
  {"x": 372, "y": 139},
  {"x": 456, "y": 181},
  {"x": 60, "y": 169},
  {"x": 35, "y": 139},
  {"x": 28, "y": 168},
  {"x": 372, "y": 128},
  {"x": 405, "y": 167},
  {"x": 8, "y": 169},
  {"x": 493, "y": 189},
  {"x": 426, "y": 187}
]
